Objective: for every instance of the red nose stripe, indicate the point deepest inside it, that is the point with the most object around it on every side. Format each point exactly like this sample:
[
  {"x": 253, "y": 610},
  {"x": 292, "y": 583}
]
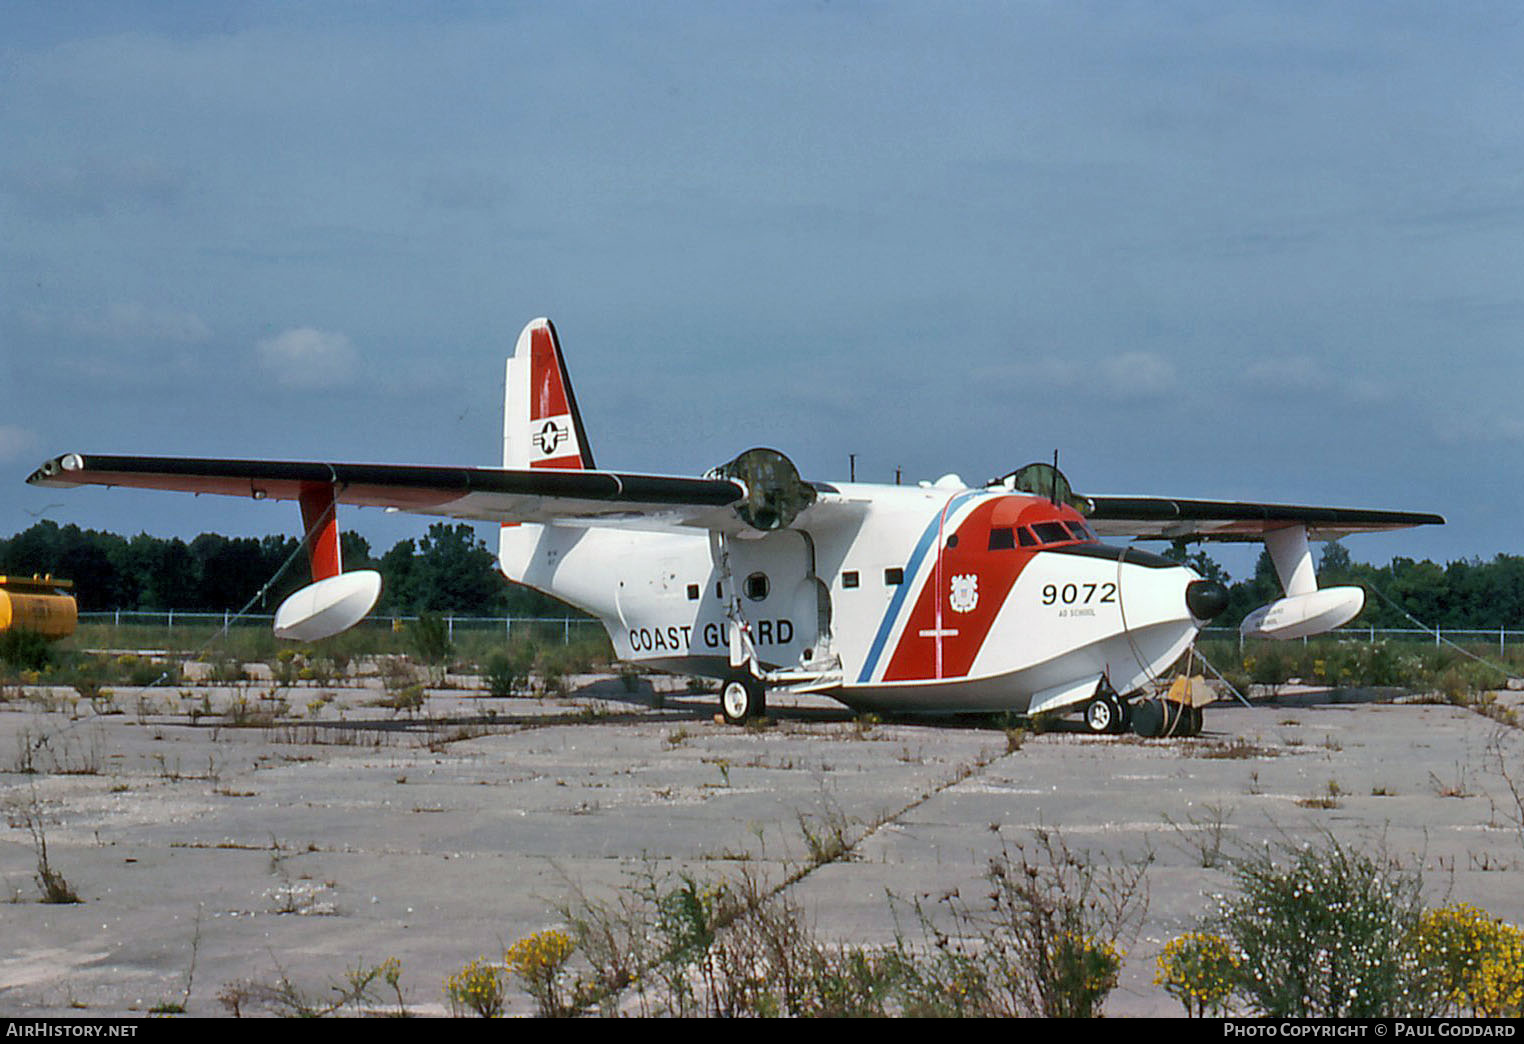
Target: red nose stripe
[{"x": 973, "y": 567}]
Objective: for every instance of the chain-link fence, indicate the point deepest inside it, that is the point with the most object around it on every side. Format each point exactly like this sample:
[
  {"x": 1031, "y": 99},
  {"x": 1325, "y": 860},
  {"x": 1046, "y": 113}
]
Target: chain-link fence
[
  {"x": 133, "y": 628},
  {"x": 1499, "y": 638}
]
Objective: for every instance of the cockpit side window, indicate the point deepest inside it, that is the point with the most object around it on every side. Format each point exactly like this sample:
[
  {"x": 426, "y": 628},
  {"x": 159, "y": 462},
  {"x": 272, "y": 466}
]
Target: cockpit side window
[
  {"x": 1051, "y": 532},
  {"x": 1002, "y": 540},
  {"x": 1025, "y": 536},
  {"x": 1080, "y": 531}
]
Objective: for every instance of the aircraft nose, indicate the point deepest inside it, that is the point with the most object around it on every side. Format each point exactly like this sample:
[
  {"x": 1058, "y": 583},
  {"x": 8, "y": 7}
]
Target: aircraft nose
[{"x": 1205, "y": 599}]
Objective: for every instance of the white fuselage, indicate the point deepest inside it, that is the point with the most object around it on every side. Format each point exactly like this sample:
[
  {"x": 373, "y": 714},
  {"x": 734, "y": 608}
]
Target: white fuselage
[{"x": 915, "y": 598}]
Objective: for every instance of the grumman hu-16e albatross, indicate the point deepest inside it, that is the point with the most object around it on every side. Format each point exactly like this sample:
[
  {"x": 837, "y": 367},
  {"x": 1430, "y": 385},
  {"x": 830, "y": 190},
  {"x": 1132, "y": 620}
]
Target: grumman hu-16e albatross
[{"x": 939, "y": 597}]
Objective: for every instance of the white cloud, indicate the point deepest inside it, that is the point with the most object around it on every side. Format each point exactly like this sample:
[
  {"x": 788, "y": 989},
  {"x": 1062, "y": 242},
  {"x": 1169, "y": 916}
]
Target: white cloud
[
  {"x": 308, "y": 358},
  {"x": 139, "y": 322},
  {"x": 1289, "y": 373},
  {"x": 1137, "y": 375},
  {"x": 95, "y": 185},
  {"x": 127, "y": 321},
  {"x": 1127, "y": 377},
  {"x": 16, "y": 442}
]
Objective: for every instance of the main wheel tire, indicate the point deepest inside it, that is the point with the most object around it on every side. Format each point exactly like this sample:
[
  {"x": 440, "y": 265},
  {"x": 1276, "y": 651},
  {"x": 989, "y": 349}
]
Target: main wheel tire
[
  {"x": 742, "y": 698},
  {"x": 1148, "y": 718},
  {"x": 1106, "y": 715}
]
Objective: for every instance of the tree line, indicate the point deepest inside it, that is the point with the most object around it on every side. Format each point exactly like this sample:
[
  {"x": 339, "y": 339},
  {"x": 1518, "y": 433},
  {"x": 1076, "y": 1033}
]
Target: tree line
[
  {"x": 1466, "y": 593},
  {"x": 450, "y": 570}
]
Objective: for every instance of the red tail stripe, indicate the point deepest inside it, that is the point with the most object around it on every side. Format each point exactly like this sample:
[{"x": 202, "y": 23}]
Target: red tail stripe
[{"x": 547, "y": 394}]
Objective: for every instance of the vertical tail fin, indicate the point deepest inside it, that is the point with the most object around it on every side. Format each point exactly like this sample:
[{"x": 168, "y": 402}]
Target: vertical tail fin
[{"x": 541, "y": 425}]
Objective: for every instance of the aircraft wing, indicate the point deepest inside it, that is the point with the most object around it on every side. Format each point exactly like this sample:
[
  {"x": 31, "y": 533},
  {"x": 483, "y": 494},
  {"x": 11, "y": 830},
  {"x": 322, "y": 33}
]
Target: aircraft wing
[
  {"x": 1168, "y": 518},
  {"x": 505, "y": 495}
]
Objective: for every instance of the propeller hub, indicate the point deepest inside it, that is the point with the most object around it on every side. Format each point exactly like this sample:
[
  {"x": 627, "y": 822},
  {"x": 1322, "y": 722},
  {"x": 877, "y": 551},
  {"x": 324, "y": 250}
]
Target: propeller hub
[{"x": 1206, "y": 599}]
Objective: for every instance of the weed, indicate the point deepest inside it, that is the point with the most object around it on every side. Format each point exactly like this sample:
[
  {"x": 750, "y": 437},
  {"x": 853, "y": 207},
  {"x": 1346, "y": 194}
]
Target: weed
[
  {"x": 1045, "y": 945},
  {"x": 1513, "y": 804},
  {"x": 409, "y": 700},
  {"x": 61, "y": 753},
  {"x": 537, "y": 963},
  {"x": 285, "y": 999},
  {"x": 1321, "y": 932},
  {"x": 25, "y": 650},
  {"x": 756, "y": 725},
  {"x": 827, "y": 836},
  {"x": 864, "y": 724},
  {"x": 507, "y": 672},
  {"x": 1198, "y": 969},
  {"x": 1236, "y": 749},
  {"x": 476, "y": 988},
  {"x": 1455, "y": 788},
  {"x": 1471, "y": 961},
  {"x": 29, "y": 815},
  {"x": 1203, "y": 833}
]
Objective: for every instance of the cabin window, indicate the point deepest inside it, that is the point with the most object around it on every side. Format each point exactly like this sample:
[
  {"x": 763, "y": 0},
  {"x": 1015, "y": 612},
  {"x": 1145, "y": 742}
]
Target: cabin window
[
  {"x": 756, "y": 587},
  {"x": 849, "y": 578},
  {"x": 1002, "y": 540},
  {"x": 693, "y": 592},
  {"x": 894, "y": 576}
]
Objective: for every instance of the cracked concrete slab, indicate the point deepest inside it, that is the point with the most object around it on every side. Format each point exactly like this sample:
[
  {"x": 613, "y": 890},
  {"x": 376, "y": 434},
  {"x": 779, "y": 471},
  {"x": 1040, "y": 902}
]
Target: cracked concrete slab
[{"x": 304, "y": 848}]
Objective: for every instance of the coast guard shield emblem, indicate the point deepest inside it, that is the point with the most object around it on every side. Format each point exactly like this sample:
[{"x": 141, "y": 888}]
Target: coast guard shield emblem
[{"x": 964, "y": 594}]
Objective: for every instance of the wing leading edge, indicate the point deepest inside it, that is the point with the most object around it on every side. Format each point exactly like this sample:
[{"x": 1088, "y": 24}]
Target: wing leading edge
[
  {"x": 1167, "y": 518},
  {"x": 505, "y": 495}
]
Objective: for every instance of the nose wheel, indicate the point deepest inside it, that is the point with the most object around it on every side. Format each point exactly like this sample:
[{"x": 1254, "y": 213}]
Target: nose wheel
[
  {"x": 1106, "y": 714},
  {"x": 742, "y": 698}
]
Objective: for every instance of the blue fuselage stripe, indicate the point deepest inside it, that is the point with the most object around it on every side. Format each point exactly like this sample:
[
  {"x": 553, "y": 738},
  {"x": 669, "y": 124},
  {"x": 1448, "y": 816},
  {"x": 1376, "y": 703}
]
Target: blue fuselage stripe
[{"x": 912, "y": 570}]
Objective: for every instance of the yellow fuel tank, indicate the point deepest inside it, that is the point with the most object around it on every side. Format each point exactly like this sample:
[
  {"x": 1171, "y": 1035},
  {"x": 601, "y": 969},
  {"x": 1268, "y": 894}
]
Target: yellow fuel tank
[{"x": 39, "y": 604}]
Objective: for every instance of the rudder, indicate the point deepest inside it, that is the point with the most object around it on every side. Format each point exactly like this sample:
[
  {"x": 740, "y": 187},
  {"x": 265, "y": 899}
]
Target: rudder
[{"x": 542, "y": 427}]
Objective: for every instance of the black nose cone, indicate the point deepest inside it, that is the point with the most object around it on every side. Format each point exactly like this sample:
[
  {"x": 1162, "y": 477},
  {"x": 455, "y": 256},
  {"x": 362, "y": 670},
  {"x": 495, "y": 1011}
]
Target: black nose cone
[{"x": 1205, "y": 599}]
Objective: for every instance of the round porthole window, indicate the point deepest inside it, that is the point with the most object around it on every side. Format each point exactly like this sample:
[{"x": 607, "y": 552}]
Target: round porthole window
[{"x": 756, "y": 586}]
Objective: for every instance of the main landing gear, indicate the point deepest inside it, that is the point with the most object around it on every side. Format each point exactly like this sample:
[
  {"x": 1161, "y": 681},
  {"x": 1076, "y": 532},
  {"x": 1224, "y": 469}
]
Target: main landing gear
[
  {"x": 1106, "y": 714},
  {"x": 742, "y": 698}
]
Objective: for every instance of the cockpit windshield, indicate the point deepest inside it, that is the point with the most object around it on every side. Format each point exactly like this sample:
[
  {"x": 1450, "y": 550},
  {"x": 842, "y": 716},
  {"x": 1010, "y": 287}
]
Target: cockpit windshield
[{"x": 1038, "y": 534}]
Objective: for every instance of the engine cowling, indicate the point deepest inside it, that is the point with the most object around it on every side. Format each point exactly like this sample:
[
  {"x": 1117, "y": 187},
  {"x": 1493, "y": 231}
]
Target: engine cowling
[
  {"x": 323, "y": 609},
  {"x": 1299, "y": 616}
]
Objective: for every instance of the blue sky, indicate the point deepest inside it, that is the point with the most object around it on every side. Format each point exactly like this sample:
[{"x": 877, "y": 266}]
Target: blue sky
[{"x": 1261, "y": 251}]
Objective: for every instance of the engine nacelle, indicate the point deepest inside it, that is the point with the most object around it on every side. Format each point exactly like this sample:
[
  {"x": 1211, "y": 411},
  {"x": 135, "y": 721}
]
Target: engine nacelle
[
  {"x": 1298, "y": 616},
  {"x": 323, "y": 609}
]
